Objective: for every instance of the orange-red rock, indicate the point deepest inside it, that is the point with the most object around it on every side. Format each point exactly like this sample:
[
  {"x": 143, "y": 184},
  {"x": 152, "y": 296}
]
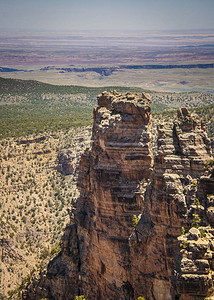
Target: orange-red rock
[{"x": 103, "y": 256}]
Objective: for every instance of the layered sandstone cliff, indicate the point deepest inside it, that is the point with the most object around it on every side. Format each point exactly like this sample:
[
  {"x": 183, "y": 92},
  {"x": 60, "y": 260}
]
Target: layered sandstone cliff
[
  {"x": 103, "y": 256},
  {"x": 183, "y": 150}
]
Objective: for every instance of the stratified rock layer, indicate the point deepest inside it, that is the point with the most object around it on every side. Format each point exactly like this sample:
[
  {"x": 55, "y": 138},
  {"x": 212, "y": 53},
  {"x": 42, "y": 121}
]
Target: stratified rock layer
[
  {"x": 66, "y": 162},
  {"x": 183, "y": 150},
  {"x": 103, "y": 256},
  {"x": 109, "y": 177}
]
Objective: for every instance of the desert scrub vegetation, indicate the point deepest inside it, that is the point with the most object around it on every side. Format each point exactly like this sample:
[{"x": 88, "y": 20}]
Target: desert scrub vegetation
[
  {"x": 46, "y": 255},
  {"x": 17, "y": 292},
  {"x": 28, "y": 107},
  {"x": 196, "y": 221},
  {"x": 135, "y": 221},
  {"x": 209, "y": 166},
  {"x": 190, "y": 100},
  {"x": 37, "y": 122},
  {"x": 35, "y": 199},
  {"x": 19, "y": 120}
]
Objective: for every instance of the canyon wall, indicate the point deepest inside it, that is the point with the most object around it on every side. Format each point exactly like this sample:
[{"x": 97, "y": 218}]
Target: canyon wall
[{"x": 105, "y": 255}]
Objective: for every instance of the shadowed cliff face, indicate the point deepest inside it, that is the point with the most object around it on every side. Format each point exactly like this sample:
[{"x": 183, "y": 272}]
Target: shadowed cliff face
[{"x": 103, "y": 256}]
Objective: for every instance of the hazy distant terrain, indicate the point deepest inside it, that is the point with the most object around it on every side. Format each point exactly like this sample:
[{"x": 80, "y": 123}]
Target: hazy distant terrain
[
  {"x": 163, "y": 61},
  {"x": 30, "y": 107}
]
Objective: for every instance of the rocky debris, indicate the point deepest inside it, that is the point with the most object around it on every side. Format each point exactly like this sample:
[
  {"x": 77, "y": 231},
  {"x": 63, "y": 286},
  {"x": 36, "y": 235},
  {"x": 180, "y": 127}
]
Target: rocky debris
[
  {"x": 66, "y": 162},
  {"x": 32, "y": 140},
  {"x": 103, "y": 253},
  {"x": 191, "y": 138},
  {"x": 184, "y": 145},
  {"x": 194, "y": 234},
  {"x": 34, "y": 202},
  {"x": 8, "y": 251},
  {"x": 194, "y": 273}
]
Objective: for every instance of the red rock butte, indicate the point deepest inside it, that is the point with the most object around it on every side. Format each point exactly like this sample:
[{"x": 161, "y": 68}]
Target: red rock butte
[{"x": 105, "y": 256}]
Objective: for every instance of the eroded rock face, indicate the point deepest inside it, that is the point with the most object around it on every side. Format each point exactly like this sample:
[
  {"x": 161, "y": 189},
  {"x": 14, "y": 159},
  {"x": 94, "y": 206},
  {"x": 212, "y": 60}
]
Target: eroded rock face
[
  {"x": 103, "y": 255},
  {"x": 109, "y": 178},
  {"x": 183, "y": 150},
  {"x": 66, "y": 162},
  {"x": 194, "y": 262}
]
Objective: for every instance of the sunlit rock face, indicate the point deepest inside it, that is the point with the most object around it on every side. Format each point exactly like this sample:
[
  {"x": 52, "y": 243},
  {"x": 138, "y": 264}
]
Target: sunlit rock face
[
  {"x": 183, "y": 150},
  {"x": 111, "y": 178},
  {"x": 103, "y": 255}
]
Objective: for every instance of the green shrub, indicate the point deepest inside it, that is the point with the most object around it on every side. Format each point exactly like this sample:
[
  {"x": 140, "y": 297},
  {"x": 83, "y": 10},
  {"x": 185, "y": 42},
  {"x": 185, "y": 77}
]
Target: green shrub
[
  {"x": 56, "y": 248},
  {"x": 182, "y": 230},
  {"x": 135, "y": 221},
  {"x": 203, "y": 233},
  {"x": 82, "y": 297},
  {"x": 194, "y": 182},
  {"x": 197, "y": 202},
  {"x": 209, "y": 165},
  {"x": 183, "y": 244},
  {"x": 45, "y": 253},
  {"x": 196, "y": 221}
]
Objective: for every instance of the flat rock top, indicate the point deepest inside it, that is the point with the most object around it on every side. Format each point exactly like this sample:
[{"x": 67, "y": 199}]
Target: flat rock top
[{"x": 114, "y": 100}]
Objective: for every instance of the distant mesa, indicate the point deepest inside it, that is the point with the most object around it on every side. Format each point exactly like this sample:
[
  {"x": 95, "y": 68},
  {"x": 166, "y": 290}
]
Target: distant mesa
[
  {"x": 48, "y": 68},
  {"x": 183, "y": 82},
  {"x": 107, "y": 71},
  {"x": 5, "y": 70}
]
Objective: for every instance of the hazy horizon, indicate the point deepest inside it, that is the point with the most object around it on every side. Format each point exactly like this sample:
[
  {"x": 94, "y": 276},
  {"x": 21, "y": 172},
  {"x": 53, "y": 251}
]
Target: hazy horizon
[
  {"x": 117, "y": 15},
  {"x": 70, "y": 42}
]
